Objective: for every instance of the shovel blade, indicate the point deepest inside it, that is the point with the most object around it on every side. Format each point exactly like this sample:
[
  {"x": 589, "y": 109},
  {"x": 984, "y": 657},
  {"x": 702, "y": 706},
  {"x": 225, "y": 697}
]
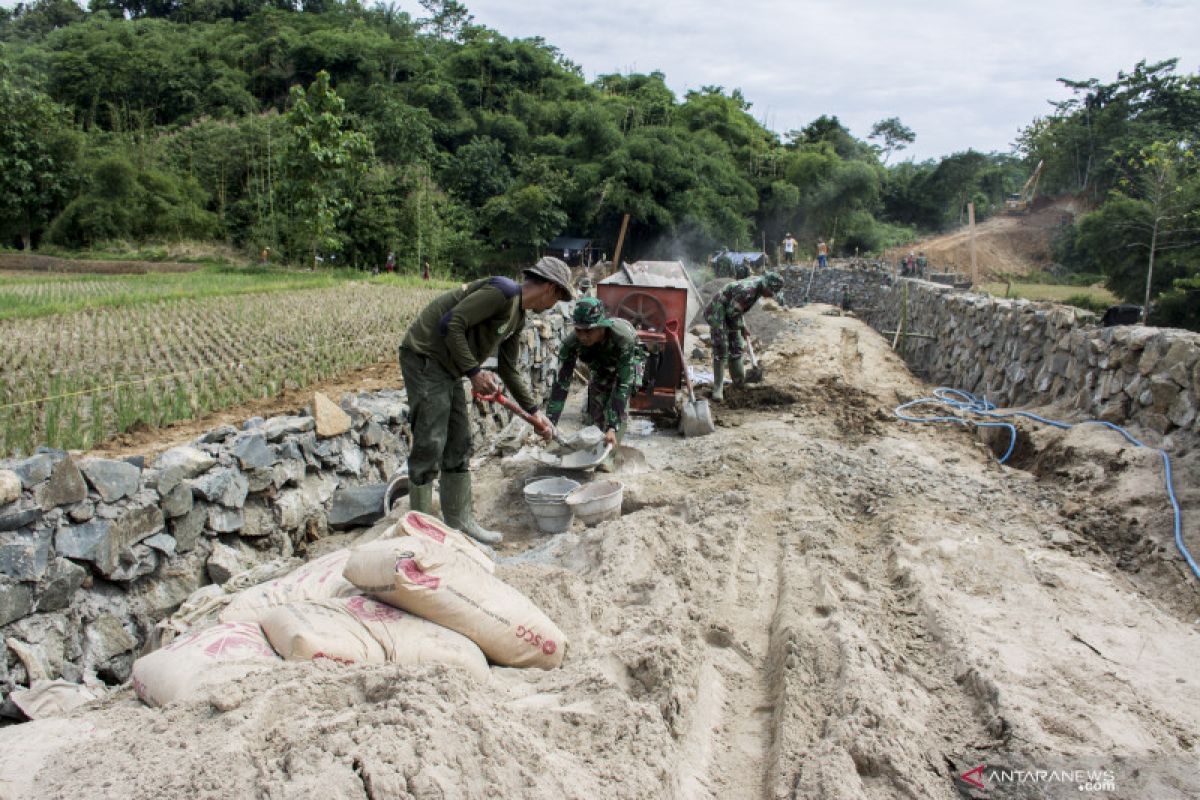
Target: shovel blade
[
  {"x": 754, "y": 375},
  {"x": 696, "y": 419}
]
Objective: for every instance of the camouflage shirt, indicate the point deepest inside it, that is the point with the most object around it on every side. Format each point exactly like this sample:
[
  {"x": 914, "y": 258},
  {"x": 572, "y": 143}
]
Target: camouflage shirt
[
  {"x": 613, "y": 362},
  {"x": 726, "y": 308}
]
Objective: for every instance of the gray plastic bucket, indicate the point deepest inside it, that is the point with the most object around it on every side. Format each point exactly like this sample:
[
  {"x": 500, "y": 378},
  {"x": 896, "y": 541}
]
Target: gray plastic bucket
[
  {"x": 597, "y": 501},
  {"x": 546, "y": 499}
]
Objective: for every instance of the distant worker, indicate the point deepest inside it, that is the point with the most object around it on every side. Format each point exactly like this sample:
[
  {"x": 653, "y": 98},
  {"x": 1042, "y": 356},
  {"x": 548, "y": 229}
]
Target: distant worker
[
  {"x": 450, "y": 339},
  {"x": 724, "y": 317},
  {"x": 264, "y": 257},
  {"x": 822, "y": 252},
  {"x": 922, "y": 263},
  {"x": 614, "y": 358},
  {"x": 390, "y": 264},
  {"x": 425, "y": 271},
  {"x": 742, "y": 270},
  {"x": 789, "y": 249}
]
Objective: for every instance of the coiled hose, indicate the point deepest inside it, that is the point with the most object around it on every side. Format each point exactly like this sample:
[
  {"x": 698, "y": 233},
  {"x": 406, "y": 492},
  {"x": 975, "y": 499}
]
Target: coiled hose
[{"x": 964, "y": 403}]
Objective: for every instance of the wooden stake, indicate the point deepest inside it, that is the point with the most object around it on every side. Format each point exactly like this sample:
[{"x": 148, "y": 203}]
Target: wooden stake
[
  {"x": 974, "y": 263},
  {"x": 902, "y": 327},
  {"x": 616, "y": 262}
]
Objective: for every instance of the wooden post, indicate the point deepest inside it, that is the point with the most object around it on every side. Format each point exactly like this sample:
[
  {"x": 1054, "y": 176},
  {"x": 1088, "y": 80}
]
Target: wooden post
[
  {"x": 616, "y": 262},
  {"x": 902, "y": 328},
  {"x": 974, "y": 263}
]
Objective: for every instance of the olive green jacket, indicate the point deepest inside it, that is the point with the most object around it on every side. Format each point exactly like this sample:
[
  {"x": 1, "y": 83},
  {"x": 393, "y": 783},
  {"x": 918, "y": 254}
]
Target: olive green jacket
[{"x": 465, "y": 327}]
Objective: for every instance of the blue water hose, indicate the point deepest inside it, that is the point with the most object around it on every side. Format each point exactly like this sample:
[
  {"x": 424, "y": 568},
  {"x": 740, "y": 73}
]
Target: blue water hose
[{"x": 964, "y": 403}]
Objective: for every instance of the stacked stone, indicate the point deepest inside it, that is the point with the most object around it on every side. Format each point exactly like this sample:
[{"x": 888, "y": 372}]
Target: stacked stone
[
  {"x": 94, "y": 552},
  {"x": 1023, "y": 353},
  {"x": 859, "y": 280}
]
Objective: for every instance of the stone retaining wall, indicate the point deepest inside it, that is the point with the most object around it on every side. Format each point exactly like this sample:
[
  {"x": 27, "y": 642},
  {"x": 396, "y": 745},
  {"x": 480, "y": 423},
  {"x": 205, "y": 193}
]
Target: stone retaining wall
[
  {"x": 1021, "y": 353},
  {"x": 859, "y": 281},
  {"x": 94, "y": 552}
]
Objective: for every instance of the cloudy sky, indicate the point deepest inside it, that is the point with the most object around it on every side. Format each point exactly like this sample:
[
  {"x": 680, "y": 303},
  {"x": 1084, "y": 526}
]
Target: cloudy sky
[{"x": 967, "y": 73}]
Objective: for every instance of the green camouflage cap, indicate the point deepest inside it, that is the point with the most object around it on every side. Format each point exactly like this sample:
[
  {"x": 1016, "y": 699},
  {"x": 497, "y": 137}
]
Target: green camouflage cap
[
  {"x": 773, "y": 281},
  {"x": 589, "y": 313}
]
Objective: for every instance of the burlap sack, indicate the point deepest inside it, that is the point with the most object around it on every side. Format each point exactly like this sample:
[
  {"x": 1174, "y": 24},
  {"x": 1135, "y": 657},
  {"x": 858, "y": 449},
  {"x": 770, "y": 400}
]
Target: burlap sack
[
  {"x": 361, "y": 630},
  {"x": 200, "y": 659},
  {"x": 320, "y": 579},
  {"x": 414, "y": 523},
  {"x": 445, "y": 586}
]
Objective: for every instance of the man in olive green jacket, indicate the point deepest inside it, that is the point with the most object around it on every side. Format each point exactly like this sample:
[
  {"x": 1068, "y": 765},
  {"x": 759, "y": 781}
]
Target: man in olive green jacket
[{"x": 450, "y": 339}]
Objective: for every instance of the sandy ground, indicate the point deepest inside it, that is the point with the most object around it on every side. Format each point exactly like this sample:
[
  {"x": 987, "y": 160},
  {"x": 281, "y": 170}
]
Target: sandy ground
[{"x": 817, "y": 601}]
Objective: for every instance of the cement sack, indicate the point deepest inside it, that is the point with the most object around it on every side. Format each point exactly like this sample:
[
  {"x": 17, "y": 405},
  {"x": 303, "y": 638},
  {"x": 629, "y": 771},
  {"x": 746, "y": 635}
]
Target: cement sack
[
  {"x": 364, "y": 631},
  {"x": 320, "y": 579},
  {"x": 414, "y": 523},
  {"x": 46, "y": 699},
  {"x": 201, "y": 659},
  {"x": 444, "y": 586}
]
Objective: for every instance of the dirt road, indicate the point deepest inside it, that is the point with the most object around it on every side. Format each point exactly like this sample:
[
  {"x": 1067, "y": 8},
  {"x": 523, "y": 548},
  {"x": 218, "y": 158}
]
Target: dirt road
[{"x": 817, "y": 601}]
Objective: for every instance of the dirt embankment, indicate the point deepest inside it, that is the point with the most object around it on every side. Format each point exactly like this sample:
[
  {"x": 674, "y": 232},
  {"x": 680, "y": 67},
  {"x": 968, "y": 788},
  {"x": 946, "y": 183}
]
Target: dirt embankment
[
  {"x": 22, "y": 262},
  {"x": 1004, "y": 245},
  {"x": 817, "y": 601}
]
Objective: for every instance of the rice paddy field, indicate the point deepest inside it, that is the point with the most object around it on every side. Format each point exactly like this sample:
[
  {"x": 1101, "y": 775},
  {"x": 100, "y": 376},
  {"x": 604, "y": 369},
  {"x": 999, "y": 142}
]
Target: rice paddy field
[
  {"x": 1090, "y": 297},
  {"x": 85, "y": 357}
]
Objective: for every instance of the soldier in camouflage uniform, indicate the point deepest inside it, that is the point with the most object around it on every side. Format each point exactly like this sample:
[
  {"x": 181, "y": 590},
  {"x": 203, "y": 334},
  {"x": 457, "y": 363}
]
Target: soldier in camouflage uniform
[
  {"x": 615, "y": 358},
  {"x": 724, "y": 317}
]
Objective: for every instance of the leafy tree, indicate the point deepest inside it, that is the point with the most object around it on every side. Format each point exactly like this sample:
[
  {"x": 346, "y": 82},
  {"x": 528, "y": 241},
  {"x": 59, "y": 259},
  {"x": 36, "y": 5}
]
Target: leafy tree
[
  {"x": 38, "y": 153},
  {"x": 893, "y": 134},
  {"x": 122, "y": 202},
  {"x": 235, "y": 164},
  {"x": 1179, "y": 306},
  {"x": 830, "y": 130},
  {"x": 528, "y": 217},
  {"x": 1155, "y": 211},
  {"x": 322, "y": 160},
  {"x": 34, "y": 20},
  {"x": 478, "y": 171},
  {"x": 447, "y": 18},
  {"x": 1081, "y": 141}
]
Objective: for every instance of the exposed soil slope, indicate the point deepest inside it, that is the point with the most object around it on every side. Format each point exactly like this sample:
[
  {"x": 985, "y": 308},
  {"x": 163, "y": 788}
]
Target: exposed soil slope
[
  {"x": 1004, "y": 245},
  {"x": 817, "y": 601}
]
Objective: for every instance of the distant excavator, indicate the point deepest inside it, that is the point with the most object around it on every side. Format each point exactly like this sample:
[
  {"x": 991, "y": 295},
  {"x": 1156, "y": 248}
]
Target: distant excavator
[{"x": 1020, "y": 203}]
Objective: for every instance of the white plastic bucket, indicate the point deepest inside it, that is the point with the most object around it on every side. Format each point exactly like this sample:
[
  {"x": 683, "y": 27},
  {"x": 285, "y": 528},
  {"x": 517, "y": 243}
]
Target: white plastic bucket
[{"x": 546, "y": 499}]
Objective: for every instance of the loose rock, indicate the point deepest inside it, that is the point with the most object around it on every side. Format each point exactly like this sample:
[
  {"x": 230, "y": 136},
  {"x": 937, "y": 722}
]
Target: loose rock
[
  {"x": 330, "y": 419},
  {"x": 112, "y": 480},
  {"x": 190, "y": 461},
  {"x": 66, "y": 486},
  {"x": 10, "y": 486}
]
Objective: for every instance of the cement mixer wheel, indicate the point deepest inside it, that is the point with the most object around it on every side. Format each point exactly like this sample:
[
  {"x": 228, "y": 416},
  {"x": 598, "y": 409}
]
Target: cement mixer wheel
[{"x": 644, "y": 311}]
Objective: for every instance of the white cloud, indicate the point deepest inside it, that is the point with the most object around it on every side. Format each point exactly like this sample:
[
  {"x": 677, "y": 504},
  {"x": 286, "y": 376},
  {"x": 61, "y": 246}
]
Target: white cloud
[{"x": 962, "y": 74}]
